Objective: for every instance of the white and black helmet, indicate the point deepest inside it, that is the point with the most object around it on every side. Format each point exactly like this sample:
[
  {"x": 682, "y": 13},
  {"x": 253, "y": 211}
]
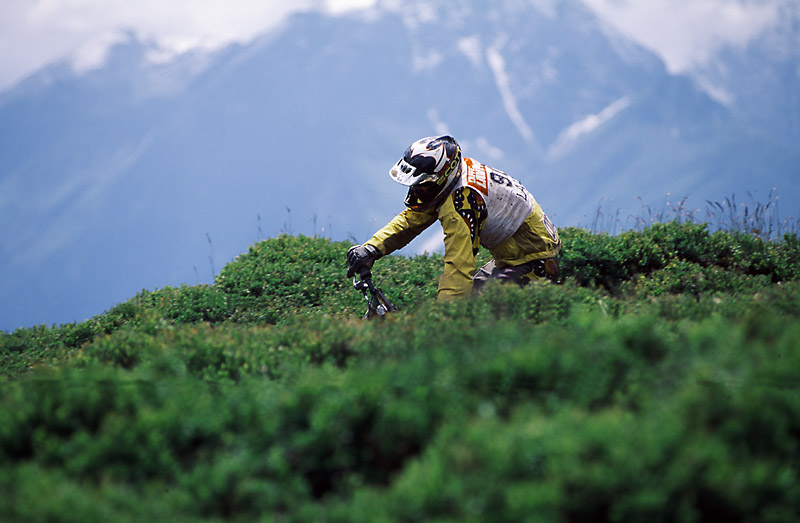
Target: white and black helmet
[{"x": 430, "y": 167}]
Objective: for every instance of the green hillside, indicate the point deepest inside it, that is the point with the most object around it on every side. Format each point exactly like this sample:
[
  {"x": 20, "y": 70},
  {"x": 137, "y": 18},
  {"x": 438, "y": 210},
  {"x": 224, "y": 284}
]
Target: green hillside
[{"x": 658, "y": 382}]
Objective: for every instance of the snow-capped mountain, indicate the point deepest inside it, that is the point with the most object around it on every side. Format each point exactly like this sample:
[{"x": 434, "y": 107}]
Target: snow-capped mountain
[{"x": 149, "y": 172}]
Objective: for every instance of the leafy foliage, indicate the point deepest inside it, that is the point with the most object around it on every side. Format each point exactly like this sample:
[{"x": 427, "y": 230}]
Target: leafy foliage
[
  {"x": 658, "y": 382},
  {"x": 608, "y": 261}
]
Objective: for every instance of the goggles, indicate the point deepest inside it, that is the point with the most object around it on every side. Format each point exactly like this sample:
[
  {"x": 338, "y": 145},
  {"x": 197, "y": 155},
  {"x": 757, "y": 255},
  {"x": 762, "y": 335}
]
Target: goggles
[{"x": 421, "y": 196}]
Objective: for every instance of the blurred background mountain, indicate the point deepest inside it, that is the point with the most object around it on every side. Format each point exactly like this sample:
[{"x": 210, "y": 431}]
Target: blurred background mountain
[{"x": 156, "y": 168}]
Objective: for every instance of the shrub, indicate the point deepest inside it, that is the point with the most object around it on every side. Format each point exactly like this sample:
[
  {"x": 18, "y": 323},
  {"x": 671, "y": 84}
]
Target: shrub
[
  {"x": 658, "y": 382},
  {"x": 286, "y": 276}
]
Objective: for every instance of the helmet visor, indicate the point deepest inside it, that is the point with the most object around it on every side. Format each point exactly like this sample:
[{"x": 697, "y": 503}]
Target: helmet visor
[{"x": 406, "y": 174}]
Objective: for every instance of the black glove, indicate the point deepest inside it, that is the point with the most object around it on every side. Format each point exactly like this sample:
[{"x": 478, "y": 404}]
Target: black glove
[{"x": 360, "y": 258}]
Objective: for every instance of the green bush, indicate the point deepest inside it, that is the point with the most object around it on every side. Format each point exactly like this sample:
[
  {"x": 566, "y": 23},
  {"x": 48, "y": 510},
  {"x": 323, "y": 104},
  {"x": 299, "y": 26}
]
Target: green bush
[
  {"x": 658, "y": 382},
  {"x": 608, "y": 261},
  {"x": 713, "y": 435},
  {"x": 287, "y": 276}
]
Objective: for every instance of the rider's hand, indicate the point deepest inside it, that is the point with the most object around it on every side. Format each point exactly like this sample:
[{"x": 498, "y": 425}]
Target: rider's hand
[{"x": 361, "y": 257}]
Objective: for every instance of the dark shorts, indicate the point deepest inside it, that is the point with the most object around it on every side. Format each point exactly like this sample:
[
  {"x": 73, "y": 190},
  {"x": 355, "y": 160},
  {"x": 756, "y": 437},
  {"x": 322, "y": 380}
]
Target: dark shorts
[{"x": 546, "y": 269}]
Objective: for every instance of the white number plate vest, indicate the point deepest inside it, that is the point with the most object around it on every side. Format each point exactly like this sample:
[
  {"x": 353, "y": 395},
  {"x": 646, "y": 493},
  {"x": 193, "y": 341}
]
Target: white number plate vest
[{"x": 508, "y": 203}]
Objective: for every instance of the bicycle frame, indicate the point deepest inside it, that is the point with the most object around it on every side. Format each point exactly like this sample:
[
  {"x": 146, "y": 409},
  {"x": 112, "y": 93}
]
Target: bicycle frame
[{"x": 377, "y": 302}]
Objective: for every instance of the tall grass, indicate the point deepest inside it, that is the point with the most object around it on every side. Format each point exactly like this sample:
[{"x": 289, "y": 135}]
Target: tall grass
[{"x": 751, "y": 216}]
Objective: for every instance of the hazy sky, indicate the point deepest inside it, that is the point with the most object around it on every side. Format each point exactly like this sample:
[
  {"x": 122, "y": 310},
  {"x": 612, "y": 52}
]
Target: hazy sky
[{"x": 33, "y": 33}]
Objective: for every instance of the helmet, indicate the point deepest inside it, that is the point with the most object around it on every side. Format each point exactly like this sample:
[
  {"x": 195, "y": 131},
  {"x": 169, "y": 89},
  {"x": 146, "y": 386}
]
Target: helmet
[{"x": 430, "y": 167}]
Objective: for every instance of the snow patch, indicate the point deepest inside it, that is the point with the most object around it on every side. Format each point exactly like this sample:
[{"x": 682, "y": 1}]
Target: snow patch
[
  {"x": 171, "y": 47},
  {"x": 437, "y": 123},
  {"x": 93, "y": 54},
  {"x": 498, "y": 66},
  {"x": 430, "y": 59},
  {"x": 570, "y": 136},
  {"x": 483, "y": 148},
  {"x": 718, "y": 94},
  {"x": 339, "y": 7},
  {"x": 687, "y": 34},
  {"x": 471, "y": 48}
]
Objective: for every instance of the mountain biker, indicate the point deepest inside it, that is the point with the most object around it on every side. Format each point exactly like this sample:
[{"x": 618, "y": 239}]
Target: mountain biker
[{"x": 476, "y": 205}]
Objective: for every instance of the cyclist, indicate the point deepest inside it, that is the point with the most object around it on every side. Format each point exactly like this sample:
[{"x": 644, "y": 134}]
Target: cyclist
[{"x": 476, "y": 205}]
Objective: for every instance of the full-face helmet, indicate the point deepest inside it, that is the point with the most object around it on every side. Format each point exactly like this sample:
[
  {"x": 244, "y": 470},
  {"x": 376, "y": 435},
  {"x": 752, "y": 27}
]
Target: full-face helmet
[{"x": 430, "y": 167}]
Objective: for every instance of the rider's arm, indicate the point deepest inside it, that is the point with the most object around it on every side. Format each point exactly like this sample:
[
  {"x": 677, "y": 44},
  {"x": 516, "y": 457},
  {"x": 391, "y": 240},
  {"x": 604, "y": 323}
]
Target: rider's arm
[
  {"x": 459, "y": 256},
  {"x": 401, "y": 230}
]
